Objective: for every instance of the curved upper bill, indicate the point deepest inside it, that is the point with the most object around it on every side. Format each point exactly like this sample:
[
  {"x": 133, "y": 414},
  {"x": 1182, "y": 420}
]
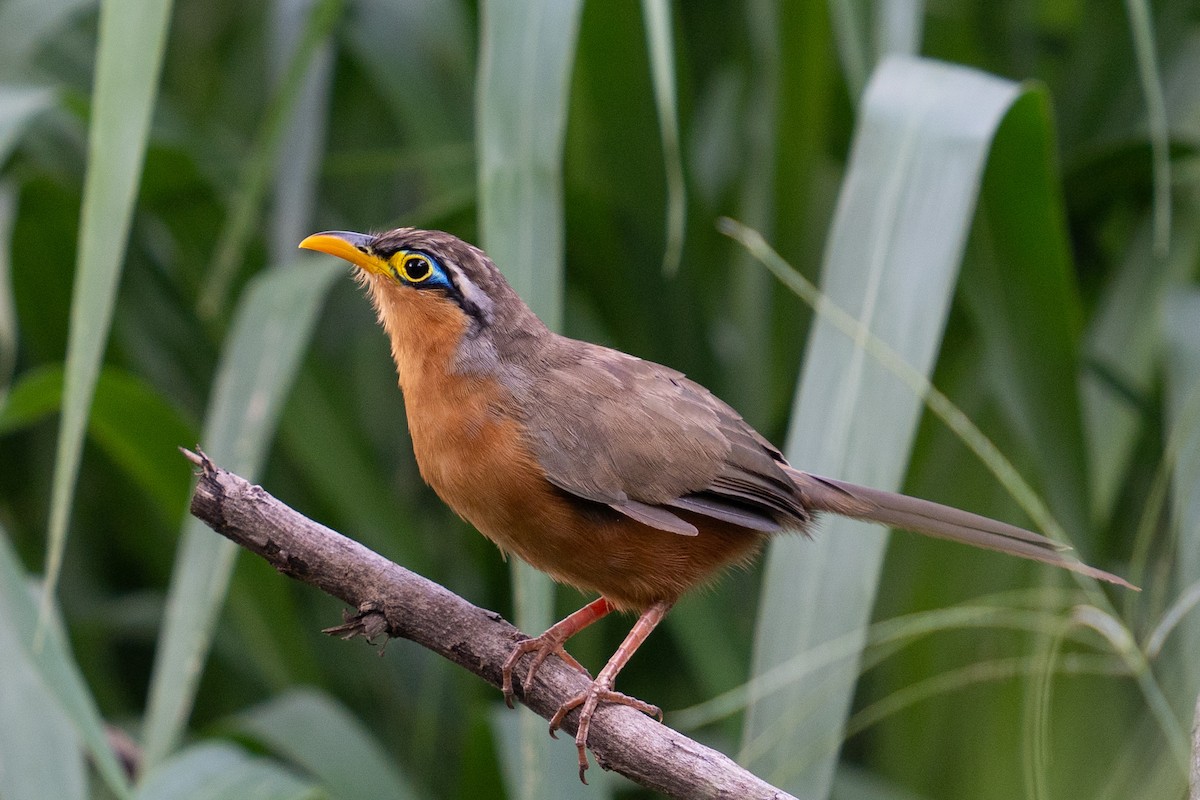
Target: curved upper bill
[{"x": 353, "y": 247}]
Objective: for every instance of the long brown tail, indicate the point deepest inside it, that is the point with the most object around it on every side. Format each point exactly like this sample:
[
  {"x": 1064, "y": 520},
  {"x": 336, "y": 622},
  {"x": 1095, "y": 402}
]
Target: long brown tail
[{"x": 943, "y": 522}]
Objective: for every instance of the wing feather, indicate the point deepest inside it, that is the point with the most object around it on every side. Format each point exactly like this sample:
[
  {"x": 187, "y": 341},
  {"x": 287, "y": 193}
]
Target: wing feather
[{"x": 647, "y": 441}]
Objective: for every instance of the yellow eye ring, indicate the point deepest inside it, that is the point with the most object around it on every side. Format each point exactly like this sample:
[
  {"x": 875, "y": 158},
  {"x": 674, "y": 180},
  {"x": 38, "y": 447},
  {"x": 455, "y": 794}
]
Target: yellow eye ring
[{"x": 415, "y": 268}]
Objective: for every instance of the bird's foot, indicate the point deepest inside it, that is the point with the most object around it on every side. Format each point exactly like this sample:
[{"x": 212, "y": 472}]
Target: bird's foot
[
  {"x": 600, "y": 691},
  {"x": 541, "y": 647}
]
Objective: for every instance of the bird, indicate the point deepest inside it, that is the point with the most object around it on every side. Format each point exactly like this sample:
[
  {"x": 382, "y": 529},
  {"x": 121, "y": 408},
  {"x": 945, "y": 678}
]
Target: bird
[{"x": 608, "y": 472}]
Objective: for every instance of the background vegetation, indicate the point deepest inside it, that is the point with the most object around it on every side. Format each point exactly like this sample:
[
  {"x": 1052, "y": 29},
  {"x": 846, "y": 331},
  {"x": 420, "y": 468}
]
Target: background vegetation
[{"x": 1031, "y": 247}]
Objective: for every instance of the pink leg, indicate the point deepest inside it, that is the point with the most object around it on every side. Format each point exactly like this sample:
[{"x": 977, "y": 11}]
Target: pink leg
[
  {"x": 601, "y": 689},
  {"x": 552, "y": 641}
]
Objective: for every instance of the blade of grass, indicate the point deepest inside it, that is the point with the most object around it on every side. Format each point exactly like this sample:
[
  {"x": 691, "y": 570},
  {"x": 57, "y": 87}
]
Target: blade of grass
[
  {"x": 661, "y": 44},
  {"x": 855, "y": 783},
  {"x": 892, "y": 261},
  {"x": 128, "y": 60},
  {"x": 26, "y": 25},
  {"x": 18, "y": 106},
  {"x": 561, "y": 775},
  {"x": 1122, "y": 353},
  {"x": 884, "y": 638},
  {"x": 31, "y": 726},
  {"x": 867, "y": 31},
  {"x": 8, "y": 310},
  {"x": 245, "y": 209},
  {"x": 526, "y": 58},
  {"x": 298, "y": 158},
  {"x": 262, "y": 354},
  {"x": 224, "y": 772},
  {"x": 1181, "y": 324},
  {"x": 1142, "y": 30},
  {"x": 1020, "y": 289},
  {"x": 751, "y": 291},
  {"x": 317, "y": 734},
  {"x": 1114, "y": 630},
  {"x": 849, "y": 18},
  {"x": 898, "y": 27},
  {"x": 56, "y": 667},
  {"x": 133, "y": 424},
  {"x": 430, "y": 107}
]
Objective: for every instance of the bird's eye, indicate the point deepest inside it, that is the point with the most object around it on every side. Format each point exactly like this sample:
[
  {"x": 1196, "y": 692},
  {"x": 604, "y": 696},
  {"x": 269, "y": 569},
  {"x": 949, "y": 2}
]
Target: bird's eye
[{"x": 415, "y": 268}]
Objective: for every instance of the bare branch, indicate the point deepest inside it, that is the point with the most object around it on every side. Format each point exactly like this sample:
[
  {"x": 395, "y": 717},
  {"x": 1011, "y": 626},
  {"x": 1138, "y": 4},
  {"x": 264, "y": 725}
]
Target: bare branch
[{"x": 393, "y": 601}]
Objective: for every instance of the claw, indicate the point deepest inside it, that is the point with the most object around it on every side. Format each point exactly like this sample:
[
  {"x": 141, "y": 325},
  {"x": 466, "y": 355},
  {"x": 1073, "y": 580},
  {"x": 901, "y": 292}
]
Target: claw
[
  {"x": 541, "y": 647},
  {"x": 590, "y": 699},
  {"x": 599, "y": 690}
]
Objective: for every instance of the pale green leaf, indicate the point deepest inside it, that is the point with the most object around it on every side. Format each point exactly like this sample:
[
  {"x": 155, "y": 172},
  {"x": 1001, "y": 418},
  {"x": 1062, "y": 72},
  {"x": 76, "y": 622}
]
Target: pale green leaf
[
  {"x": 26, "y": 26},
  {"x": 19, "y": 105},
  {"x": 132, "y": 36},
  {"x": 300, "y": 77},
  {"x": 303, "y": 141},
  {"x": 892, "y": 261},
  {"x": 1181, "y": 332},
  {"x": 867, "y": 31},
  {"x": 525, "y": 67},
  {"x": 134, "y": 425},
  {"x": 1020, "y": 288},
  {"x": 526, "y": 57},
  {"x": 661, "y": 44},
  {"x": 8, "y": 311},
  {"x": 54, "y": 694},
  {"x": 316, "y": 733},
  {"x": 1141, "y": 27},
  {"x": 560, "y": 772},
  {"x": 223, "y": 772},
  {"x": 262, "y": 354}
]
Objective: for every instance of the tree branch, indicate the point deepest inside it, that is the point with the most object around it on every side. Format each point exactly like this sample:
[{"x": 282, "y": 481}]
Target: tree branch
[{"x": 393, "y": 601}]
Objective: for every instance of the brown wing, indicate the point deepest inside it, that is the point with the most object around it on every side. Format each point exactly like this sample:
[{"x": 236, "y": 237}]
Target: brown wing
[{"x": 645, "y": 440}]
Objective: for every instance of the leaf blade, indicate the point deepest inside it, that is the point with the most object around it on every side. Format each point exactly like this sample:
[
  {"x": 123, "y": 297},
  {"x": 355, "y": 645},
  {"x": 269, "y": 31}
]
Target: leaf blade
[
  {"x": 263, "y": 350},
  {"x": 904, "y": 212}
]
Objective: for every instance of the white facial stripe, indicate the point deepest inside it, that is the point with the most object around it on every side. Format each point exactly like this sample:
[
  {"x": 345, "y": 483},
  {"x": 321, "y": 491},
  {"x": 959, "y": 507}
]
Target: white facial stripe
[{"x": 470, "y": 292}]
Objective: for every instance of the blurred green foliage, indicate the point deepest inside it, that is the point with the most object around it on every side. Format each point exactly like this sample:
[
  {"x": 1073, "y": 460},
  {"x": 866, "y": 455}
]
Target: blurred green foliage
[{"x": 274, "y": 120}]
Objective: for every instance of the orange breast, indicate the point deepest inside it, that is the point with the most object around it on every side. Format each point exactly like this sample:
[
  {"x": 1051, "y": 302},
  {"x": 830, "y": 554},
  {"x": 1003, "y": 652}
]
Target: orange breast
[{"x": 469, "y": 446}]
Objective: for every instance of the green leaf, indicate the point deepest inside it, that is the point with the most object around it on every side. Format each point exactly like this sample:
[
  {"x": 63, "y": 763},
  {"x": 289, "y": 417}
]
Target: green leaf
[
  {"x": 661, "y": 44},
  {"x": 1121, "y": 350},
  {"x": 892, "y": 261},
  {"x": 866, "y": 31},
  {"x": 262, "y": 354},
  {"x": 560, "y": 773},
  {"x": 27, "y": 25},
  {"x": 32, "y": 726},
  {"x": 858, "y": 784},
  {"x": 526, "y": 55},
  {"x": 134, "y": 425},
  {"x": 1142, "y": 28},
  {"x": 303, "y": 139},
  {"x": 132, "y": 35},
  {"x": 524, "y": 71},
  {"x": 18, "y": 106},
  {"x": 223, "y": 772},
  {"x": 1181, "y": 362},
  {"x": 8, "y": 311},
  {"x": 54, "y": 694},
  {"x": 244, "y": 211},
  {"x": 316, "y": 733},
  {"x": 1021, "y": 291}
]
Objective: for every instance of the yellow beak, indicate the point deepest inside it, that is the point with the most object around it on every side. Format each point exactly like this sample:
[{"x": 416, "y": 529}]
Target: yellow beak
[{"x": 353, "y": 247}]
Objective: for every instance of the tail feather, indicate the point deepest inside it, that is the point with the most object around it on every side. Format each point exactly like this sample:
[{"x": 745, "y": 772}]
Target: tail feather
[{"x": 943, "y": 522}]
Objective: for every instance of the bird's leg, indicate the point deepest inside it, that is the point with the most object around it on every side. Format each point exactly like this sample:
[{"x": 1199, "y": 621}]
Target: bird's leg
[
  {"x": 601, "y": 689},
  {"x": 552, "y": 641}
]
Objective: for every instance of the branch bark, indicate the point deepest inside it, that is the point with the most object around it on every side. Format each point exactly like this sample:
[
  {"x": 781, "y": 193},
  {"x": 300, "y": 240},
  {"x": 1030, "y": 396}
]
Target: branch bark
[{"x": 394, "y": 601}]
